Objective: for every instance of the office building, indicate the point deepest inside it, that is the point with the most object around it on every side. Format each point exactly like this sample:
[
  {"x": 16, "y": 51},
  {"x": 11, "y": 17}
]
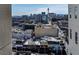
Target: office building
[{"x": 44, "y": 19}]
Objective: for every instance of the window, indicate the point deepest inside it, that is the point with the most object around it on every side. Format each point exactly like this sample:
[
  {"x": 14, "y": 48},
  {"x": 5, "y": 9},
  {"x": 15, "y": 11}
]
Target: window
[
  {"x": 70, "y": 16},
  {"x": 70, "y": 33},
  {"x": 70, "y": 10},
  {"x": 75, "y": 16},
  {"x": 76, "y": 37},
  {"x": 75, "y": 12},
  {"x": 75, "y": 9}
]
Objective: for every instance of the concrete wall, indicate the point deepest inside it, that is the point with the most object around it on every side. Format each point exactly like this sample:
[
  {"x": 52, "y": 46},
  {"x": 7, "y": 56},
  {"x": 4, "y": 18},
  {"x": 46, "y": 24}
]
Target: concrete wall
[
  {"x": 5, "y": 29},
  {"x": 72, "y": 47}
]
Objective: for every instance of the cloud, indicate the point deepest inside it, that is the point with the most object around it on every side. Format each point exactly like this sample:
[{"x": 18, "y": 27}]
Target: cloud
[{"x": 39, "y": 10}]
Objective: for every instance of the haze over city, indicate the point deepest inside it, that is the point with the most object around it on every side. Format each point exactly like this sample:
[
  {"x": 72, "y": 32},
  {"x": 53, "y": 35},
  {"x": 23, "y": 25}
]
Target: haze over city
[{"x": 27, "y": 9}]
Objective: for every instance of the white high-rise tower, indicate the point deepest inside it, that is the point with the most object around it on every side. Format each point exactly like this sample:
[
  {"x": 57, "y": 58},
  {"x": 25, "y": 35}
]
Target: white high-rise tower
[{"x": 49, "y": 21}]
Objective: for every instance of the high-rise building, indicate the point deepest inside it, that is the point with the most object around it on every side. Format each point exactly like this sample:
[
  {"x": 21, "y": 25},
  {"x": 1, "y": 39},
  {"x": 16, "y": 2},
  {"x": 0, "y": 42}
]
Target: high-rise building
[
  {"x": 37, "y": 18},
  {"x": 44, "y": 19},
  {"x": 72, "y": 45}
]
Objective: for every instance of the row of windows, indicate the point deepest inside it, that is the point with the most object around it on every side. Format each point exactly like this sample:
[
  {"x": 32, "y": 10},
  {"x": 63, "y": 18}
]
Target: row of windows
[
  {"x": 70, "y": 16},
  {"x": 76, "y": 36},
  {"x": 75, "y": 12}
]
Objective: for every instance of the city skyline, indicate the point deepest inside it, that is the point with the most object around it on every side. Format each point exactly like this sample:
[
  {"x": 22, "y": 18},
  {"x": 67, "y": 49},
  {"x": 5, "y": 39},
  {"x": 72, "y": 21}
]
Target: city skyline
[{"x": 27, "y": 9}]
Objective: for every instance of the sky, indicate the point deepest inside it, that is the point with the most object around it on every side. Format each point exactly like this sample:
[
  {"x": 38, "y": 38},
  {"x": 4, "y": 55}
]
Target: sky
[{"x": 27, "y": 9}]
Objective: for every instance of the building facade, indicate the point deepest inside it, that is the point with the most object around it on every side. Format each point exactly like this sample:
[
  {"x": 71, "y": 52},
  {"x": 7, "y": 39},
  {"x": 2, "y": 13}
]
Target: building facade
[
  {"x": 44, "y": 19},
  {"x": 72, "y": 45}
]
